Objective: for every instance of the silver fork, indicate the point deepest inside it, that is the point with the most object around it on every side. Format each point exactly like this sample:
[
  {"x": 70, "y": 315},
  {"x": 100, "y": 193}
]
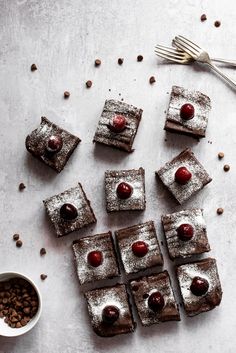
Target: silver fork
[
  {"x": 199, "y": 55},
  {"x": 181, "y": 57}
]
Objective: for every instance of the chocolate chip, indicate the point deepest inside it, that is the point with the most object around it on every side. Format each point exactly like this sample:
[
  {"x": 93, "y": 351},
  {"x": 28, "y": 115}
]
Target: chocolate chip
[
  {"x": 139, "y": 58},
  {"x": 19, "y": 243},
  {"x": 43, "y": 251},
  {"x": 97, "y": 62},
  {"x": 43, "y": 276},
  {"x": 152, "y": 80},
  {"x": 203, "y": 18},
  {"x": 120, "y": 61},
  {"x": 217, "y": 23},
  {"x": 66, "y": 94},
  {"x": 221, "y": 155},
  {"x": 33, "y": 67},
  {"x": 220, "y": 210},
  {"x": 22, "y": 186},
  {"x": 226, "y": 167},
  {"x": 16, "y": 237},
  {"x": 89, "y": 84}
]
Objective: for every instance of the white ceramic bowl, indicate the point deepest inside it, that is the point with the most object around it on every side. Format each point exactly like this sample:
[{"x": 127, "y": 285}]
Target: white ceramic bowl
[{"x": 7, "y": 331}]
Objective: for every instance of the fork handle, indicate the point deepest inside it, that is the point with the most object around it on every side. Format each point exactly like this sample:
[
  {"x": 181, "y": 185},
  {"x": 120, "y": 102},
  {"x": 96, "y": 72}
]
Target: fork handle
[
  {"x": 229, "y": 62},
  {"x": 227, "y": 78}
]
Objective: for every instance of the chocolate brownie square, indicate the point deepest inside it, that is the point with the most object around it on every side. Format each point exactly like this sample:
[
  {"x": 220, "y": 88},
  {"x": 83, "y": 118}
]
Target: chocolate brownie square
[
  {"x": 154, "y": 299},
  {"x": 69, "y": 211},
  {"x": 51, "y": 144},
  {"x": 184, "y": 176},
  {"x": 118, "y": 125},
  {"x": 187, "y": 112},
  {"x": 95, "y": 258},
  {"x": 200, "y": 286},
  {"x": 125, "y": 190},
  {"x": 139, "y": 247},
  {"x": 110, "y": 311},
  {"x": 185, "y": 233}
]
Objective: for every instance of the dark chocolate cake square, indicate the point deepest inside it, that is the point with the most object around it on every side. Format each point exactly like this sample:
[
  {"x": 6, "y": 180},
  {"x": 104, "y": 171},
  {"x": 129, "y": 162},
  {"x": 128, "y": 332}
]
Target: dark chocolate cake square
[
  {"x": 110, "y": 311},
  {"x": 139, "y": 247},
  {"x": 154, "y": 299},
  {"x": 185, "y": 233},
  {"x": 95, "y": 258},
  {"x": 133, "y": 185},
  {"x": 200, "y": 286},
  {"x": 118, "y": 125},
  {"x": 199, "y": 177},
  {"x": 51, "y": 144},
  {"x": 175, "y": 121},
  {"x": 69, "y": 211}
]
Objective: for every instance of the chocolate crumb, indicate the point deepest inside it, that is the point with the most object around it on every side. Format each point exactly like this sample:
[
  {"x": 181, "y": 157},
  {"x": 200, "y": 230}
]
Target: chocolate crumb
[
  {"x": 109, "y": 90},
  {"x": 152, "y": 80},
  {"x": 66, "y": 94},
  {"x": 203, "y": 18},
  {"x": 43, "y": 251},
  {"x": 43, "y": 276},
  {"x": 97, "y": 62},
  {"x": 16, "y": 237},
  {"x": 220, "y": 210},
  {"x": 139, "y": 58},
  {"x": 89, "y": 84},
  {"x": 120, "y": 61},
  {"x": 19, "y": 243},
  {"x": 217, "y": 23},
  {"x": 33, "y": 67},
  {"x": 221, "y": 155},
  {"x": 22, "y": 186},
  {"x": 226, "y": 167}
]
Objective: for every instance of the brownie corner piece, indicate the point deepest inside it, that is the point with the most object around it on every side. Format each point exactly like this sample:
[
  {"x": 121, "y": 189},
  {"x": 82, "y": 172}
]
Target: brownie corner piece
[
  {"x": 184, "y": 176},
  {"x": 154, "y": 299},
  {"x": 118, "y": 125},
  {"x": 125, "y": 190},
  {"x": 185, "y": 233},
  {"x": 187, "y": 112},
  {"x": 200, "y": 286},
  {"x": 95, "y": 258},
  {"x": 139, "y": 247},
  {"x": 69, "y": 211},
  {"x": 51, "y": 144},
  {"x": 110, "y": 311}
]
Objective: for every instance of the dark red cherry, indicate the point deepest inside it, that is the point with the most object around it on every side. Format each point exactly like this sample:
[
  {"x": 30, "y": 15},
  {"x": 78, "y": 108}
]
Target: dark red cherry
[
  {"x": 182, "y": 175},
  {"x": 140, "y": 248},
  {"x": 187, "y": 111},
  {"x": 68, "y": 212},
  {"x": 156, "y": 302},
  {"x": 199, "y": 286},
  {"x": 185, "y": 232},
  {"x": 118, "y": 123},
  {"x": 54, "y": 144},
  {"x": 110, "y": 314},
  {"x": 95, "y": 258},
  {"x": 124, "y": 190}
]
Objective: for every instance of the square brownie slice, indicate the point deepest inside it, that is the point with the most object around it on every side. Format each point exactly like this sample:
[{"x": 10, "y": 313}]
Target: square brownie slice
[
  {"x": 69, "y": 211},
  {"x": 154, "y": 299},
  {"x": 95, "y": 258},
  {"x": 118, "y": 125},
  {"x": 185, "y": 233},
  {"x": 125, "y": 190},
  {"x": 110, "y": 311},
  {"x": 184, "y": 176},
  {"x": 139, "y": 247},
  {"x": 200, "y": 286},
  {"x": 51, "y": 144},
  {"x": 187, "y": 112}
]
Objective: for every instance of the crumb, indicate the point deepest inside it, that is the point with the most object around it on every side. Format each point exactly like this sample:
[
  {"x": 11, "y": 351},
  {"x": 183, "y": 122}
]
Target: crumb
[
  {"x": 152, "y": 80},
  {"x": 43, "y": 251},
  {"x": 89, "y": 84},
  {"x": 220, "y": 210},
  {"x": 203, "y": 18},
  {"x": 16, "y": 237},
  {"x": 217, "y": 24},
  {"x": 19, "y": 243},
  {"x": 33, "y": 67},
  {"x": 97, "y": 62},
  {"x": 120, "y": 61},
  {"x": 43, "y": 276},
  {"x": 22, "y": 186},
  {"x": 66, "y": 94},
  {"x": 109, "y": 90},
  {"x": 139, "y": 58},
  {"x": 221, "y": 155},
  {"x": 226, "y": 167}
]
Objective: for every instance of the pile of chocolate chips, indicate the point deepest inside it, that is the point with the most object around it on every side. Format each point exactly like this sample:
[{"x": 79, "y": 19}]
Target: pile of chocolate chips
[{"x": 18, "y": 302}]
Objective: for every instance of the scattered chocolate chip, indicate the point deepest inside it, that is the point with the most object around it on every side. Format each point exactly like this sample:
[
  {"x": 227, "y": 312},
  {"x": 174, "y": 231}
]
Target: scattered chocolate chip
[
  {"x": 217, "y": 23},
  {"x": 120, "y": 61},
  {"x": 152, "y": 80},
  {"x": 221, "y": 155},
  {"x": 43, "y": 251},
  {"x": 139, "y": 58},
  {"x": 226, "y": 167},
  {"x": 97, "y": 62},
  {"x": 22, "y": 186},
  {"x": 19, "y": 243},
  {"x": 203, "y": 18},
  {"x": 16, "y": 237},
  {"x": 66, "y": 94},
  {"x": 109, "y": 90},
  {"x": 43, "y": 276},
  {"x": 89, "y": 84},
  {"x": 220, "y": 210},
  {"x": 33, "y": 67}
]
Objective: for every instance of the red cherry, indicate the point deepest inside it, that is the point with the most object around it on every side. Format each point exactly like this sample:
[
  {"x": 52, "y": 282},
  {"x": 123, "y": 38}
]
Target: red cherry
[
  {"x": 187, "y": 111},
  {"x": 68, "y": 212},
  {"x": 140, "y": 248},
  {"x": 110, "y": 314},
  {"x": 199, "y": 286},
  {"x": 54, "y": 144},
  {"x": 124, "y": 190},
  {"x": 182, "y": 175},
  {"x": 118, "y": 123},
  {"x": 185, "y": 232},
  {"x": 95, "y": 258},
  {"x": 156, "y": 302}
]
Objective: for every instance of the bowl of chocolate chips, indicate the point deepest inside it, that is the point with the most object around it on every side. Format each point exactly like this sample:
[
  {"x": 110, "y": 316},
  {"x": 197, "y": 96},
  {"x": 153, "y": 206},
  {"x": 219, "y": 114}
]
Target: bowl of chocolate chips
[{"x": 20, "y": 304}]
